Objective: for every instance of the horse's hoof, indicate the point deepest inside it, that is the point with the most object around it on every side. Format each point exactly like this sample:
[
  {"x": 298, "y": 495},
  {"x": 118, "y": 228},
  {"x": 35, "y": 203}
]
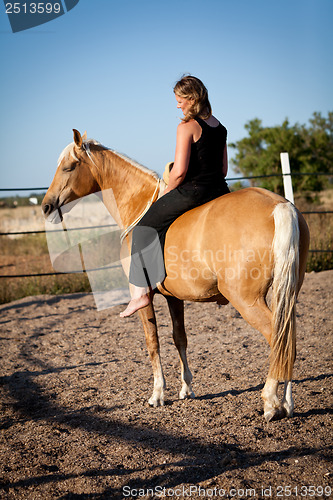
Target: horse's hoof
[
  {"x": 155, "y": 402},
  {"x": 288, "y": 409},
  {"x": 186, "y": 393},
  {"x": 270, "y": 415},
  {"x": 275, "y": 414}
]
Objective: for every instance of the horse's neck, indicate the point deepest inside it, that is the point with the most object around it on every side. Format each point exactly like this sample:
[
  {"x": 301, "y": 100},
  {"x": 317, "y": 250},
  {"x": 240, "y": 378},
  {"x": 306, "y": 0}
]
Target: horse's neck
[{"x": 125, "y": 187}]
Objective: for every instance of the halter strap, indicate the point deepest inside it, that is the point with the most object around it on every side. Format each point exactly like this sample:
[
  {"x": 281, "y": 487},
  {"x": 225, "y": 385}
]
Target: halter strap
[{"x": 86, "y": 148}]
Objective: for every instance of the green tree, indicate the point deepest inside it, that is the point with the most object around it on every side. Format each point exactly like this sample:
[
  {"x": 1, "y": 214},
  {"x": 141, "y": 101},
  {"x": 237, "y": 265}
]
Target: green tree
[{"x": 310, "y": 150}]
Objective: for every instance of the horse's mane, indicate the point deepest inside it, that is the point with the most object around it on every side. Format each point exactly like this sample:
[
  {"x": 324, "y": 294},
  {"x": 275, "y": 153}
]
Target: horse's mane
[{"x": 69, "y": 151}]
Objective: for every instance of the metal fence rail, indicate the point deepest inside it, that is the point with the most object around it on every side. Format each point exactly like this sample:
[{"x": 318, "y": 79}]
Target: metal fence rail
[
  {"x": 227, "y": 179},
  {"x": 19, "y": 233},
  {"x": 42, "y": 231}
]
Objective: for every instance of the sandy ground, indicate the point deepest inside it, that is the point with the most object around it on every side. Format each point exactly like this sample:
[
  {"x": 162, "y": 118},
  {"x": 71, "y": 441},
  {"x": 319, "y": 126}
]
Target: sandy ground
[{"x": 76, "y": 424}]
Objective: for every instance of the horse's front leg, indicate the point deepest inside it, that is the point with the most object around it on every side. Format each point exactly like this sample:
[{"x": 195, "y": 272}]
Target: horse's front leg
[
  {"x": 147, "y": 316},
  {"x": 176, "y": 308}
]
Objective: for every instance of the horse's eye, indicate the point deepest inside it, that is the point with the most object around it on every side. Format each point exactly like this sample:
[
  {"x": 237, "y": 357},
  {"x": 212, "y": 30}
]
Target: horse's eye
[{"x": 71, "y": 167}]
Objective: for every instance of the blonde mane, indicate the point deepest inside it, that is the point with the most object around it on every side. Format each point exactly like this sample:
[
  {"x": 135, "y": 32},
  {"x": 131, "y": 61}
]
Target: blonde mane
[
  {"x": 137, "y": 165},
  {"x": 69, "y": 151}
]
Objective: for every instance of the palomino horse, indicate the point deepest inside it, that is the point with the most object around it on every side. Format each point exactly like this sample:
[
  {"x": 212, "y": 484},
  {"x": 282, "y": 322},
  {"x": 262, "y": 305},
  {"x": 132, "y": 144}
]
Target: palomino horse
[{"x": 232, "y": 249}]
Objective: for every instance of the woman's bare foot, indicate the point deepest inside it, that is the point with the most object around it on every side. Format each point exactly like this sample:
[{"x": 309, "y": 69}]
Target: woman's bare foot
[{"x": 134, "y": 305}]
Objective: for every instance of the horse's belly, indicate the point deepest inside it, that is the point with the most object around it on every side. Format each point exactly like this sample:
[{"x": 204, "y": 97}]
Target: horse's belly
[{"x": 188, "y": 279}]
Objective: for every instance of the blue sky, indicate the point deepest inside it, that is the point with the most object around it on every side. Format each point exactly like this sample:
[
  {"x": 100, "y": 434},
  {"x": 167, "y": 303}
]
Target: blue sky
[{"x": 109, "y": 67}]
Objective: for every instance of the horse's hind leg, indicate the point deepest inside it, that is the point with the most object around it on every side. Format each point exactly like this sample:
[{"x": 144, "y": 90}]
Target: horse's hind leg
[
  {"x": 258, "y": 315},
  {"x": 256, "y": 312},
  {"x": 287, "y": 401},
  {"x": 147, "y": 316},
  {"x": 272, "y": 407},
  {"x": 273, "y": 410},
  {"x": 176, "y": 308}
]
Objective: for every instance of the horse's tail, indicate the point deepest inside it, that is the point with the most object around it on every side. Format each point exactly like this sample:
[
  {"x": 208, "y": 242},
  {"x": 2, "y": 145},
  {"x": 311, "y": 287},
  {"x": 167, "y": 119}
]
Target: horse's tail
[{"x": 286, "y": 272}]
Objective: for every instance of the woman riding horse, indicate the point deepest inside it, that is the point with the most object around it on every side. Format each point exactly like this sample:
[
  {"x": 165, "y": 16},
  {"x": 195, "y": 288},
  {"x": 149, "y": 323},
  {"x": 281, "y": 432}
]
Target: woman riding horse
[{"x": 197, "y": 176}]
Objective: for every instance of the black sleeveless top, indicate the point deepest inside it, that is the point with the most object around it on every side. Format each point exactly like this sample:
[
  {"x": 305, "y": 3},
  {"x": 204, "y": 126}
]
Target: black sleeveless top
[{"x": 206, "y": 159}]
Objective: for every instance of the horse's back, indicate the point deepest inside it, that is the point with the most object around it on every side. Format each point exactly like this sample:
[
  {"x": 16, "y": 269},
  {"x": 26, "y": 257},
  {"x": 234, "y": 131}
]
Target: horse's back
[{"x": 228, "y": 219}]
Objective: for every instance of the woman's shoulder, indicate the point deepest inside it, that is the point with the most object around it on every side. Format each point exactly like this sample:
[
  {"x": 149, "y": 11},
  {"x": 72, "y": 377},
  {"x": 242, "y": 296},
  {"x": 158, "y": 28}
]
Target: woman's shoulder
[
  {"x": 188, "y": 127},
  {"x": 188, "y": 124}
]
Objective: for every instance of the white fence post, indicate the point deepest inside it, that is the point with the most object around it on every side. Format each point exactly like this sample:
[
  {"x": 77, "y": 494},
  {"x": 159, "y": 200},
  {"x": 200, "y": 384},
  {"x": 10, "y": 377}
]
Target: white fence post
[{"x": 287, "y": 183}]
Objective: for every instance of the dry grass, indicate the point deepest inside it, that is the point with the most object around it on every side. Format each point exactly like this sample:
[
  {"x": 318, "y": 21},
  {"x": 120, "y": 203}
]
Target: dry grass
[{"x": 29, "y": 255}]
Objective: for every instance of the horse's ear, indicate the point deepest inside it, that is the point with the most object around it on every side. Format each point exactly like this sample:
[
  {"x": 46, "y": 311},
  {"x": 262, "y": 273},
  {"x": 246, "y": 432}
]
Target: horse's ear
[
  {"x": 84, "y": 136},
  {"x": 77, "y": 138}
]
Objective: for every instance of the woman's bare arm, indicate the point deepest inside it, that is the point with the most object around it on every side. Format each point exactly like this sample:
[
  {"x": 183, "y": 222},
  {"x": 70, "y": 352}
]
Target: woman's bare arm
[{"x": 182, "y": 155}]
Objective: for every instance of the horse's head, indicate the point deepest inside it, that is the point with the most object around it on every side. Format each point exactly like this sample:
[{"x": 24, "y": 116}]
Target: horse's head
[{"x": 73, "y": 178}]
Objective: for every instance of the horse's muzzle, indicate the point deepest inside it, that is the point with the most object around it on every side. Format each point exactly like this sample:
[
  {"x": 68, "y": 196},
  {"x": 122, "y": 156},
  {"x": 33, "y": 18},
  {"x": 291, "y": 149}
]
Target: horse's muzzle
[
  {"x": 47, "y": 209},
  {"x": 51, "y": 209}
]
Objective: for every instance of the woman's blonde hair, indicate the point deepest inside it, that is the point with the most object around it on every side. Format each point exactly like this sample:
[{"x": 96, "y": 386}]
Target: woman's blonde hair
[{"x": 191, "y": 88}]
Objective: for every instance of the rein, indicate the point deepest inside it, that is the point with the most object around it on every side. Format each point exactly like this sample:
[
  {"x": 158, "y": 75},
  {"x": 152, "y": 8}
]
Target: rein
[
  {"x": 149, "y": 204},
  {"x": 137, "y": 220}
]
